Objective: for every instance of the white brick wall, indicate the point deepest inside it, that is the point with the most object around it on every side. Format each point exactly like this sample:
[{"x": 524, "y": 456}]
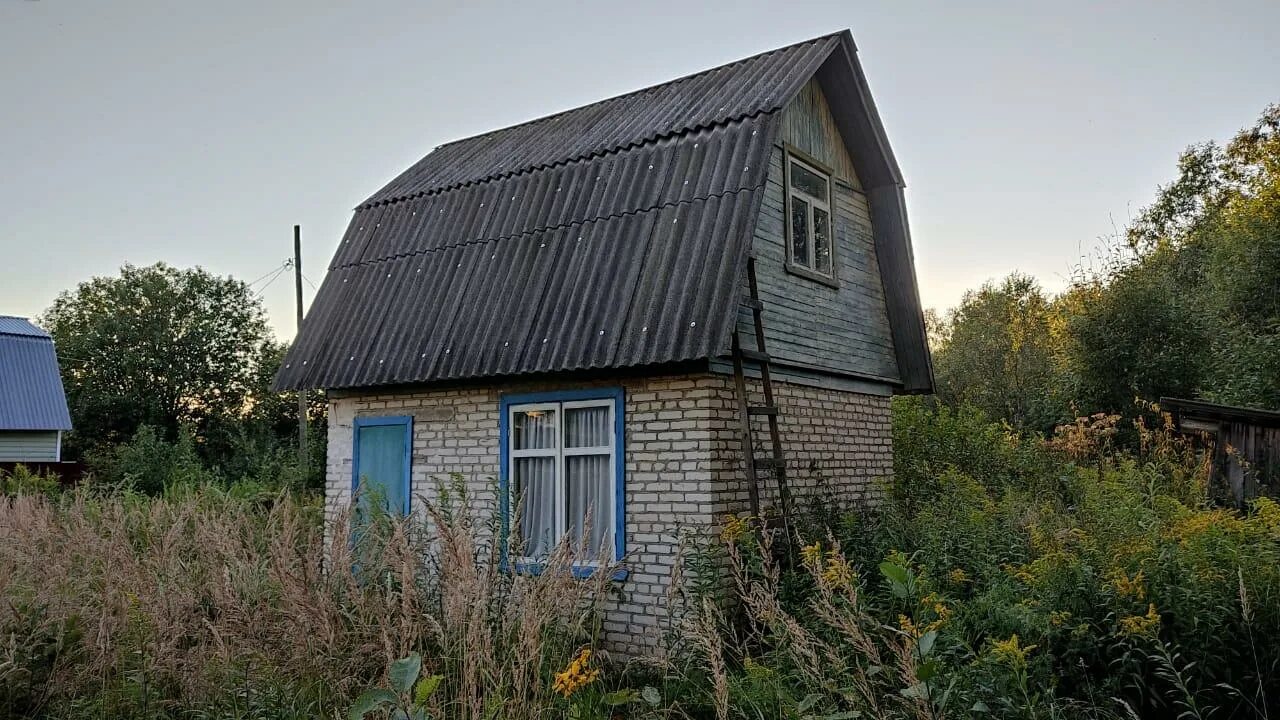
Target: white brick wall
[{"x": 682, "y": 459}]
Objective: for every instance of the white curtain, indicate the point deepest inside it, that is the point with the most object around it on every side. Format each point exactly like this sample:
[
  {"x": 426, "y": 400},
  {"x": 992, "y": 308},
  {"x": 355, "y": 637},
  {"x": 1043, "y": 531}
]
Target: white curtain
[
  {"x": 535, "y": 480},
  {"x": 535, "y": 429},
  {"x": 588, "y": 477},
  {"x": 536, "y": 485}
]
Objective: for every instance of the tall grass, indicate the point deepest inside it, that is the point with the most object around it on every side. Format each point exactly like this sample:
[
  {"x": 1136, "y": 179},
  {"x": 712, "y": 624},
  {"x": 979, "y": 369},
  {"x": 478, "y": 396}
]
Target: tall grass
[{"x": 202, "y": 602}]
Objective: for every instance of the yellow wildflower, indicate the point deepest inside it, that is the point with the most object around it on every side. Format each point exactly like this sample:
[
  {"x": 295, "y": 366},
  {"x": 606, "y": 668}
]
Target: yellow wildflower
[
  {"x": 942, "y": 611},
  {"x": 1190, "y": 527},
  {"x": 1058, "y": 618},
  {"x": 838, "y": 572},
  {"x": 1142, "y": 625},
  {"x": 958, "y": 576},
  {"x": 734, "y": 528},
  {"x": 1126, "y": 586},
  {"x": 909, "y": 627},
  {"x": 1011, "y": 653},
  {"x": 576, "y": 675},
  {"x": 811, "y": 555}
]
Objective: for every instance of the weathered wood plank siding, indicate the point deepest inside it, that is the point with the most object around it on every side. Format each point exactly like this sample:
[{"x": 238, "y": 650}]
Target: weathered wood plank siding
[
  {"x": 28, "y": 446},
  {"x": 807, "y": 124},
  {"x": 843, "y": 330}
]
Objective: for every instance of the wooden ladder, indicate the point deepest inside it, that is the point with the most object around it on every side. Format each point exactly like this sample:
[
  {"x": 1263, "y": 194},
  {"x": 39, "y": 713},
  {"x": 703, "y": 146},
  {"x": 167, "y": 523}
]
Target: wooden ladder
[{"x": 774, "y": 464}]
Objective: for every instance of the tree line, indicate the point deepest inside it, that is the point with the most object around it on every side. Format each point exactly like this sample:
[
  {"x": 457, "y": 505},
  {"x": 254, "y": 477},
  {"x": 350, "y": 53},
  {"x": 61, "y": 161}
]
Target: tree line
[
  {"x": 1185, "y": 303},
  {"x": 168, "y": 374}
]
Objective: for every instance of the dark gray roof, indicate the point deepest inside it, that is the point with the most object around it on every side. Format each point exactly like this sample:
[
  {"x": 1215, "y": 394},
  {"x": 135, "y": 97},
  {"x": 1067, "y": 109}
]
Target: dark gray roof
[
  {"x": 30, "y": 386},
  {"x": 612, "y": 235}
]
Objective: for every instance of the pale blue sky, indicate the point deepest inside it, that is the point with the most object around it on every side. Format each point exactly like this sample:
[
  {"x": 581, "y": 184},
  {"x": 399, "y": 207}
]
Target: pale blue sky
[{"x": 199, "y": 133}]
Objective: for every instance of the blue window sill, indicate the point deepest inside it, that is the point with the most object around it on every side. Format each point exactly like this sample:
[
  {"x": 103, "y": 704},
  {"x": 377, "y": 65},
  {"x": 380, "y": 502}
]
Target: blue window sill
[{"x": 581, "y": 572}]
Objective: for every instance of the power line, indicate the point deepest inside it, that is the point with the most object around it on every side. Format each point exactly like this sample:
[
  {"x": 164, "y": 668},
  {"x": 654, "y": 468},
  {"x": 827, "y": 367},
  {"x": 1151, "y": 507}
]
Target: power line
[
  {"x": 282, "y": 266},
  {"x": 262, "y": 291},
  {"x": 313, "y": 285}
]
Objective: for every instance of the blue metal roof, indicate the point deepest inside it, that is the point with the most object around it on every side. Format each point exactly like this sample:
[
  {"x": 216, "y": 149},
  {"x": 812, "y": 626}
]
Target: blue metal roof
[{"x": 31, "y": 396}]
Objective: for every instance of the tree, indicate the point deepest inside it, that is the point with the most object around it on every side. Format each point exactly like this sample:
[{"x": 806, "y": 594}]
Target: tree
[
  {"x": 161, "y": 347},
  {"x": 998, "y": 352},
  {"x": 1196, "y": 309}
]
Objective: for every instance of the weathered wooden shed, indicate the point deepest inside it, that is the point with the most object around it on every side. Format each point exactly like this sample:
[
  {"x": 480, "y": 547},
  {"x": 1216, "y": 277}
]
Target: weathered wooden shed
[
  {"x": 684, "y": 302},
  {"x": 33, "y": 409},
  {"x": 1245, "y": 443}
]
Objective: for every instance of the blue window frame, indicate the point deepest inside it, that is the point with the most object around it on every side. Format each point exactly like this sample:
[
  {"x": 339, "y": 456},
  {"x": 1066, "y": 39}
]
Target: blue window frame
[
  {"x": 381, "y": 451},
  {"x": 563, "y": 454}
]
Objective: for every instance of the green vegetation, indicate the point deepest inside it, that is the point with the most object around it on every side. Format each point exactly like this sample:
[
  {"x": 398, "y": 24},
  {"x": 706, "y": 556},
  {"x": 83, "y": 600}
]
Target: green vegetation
[
  {"x": 167, "y": 371},
  {"x": 1002, "y": 576},
  {"x": 1184, "y": 306}
]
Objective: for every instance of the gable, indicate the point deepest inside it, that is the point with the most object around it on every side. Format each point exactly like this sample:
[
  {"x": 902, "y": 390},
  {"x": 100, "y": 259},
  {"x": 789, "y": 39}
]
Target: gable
[
  {"x": 809, "y": 126},
  {"x": 840, "y": 328}
]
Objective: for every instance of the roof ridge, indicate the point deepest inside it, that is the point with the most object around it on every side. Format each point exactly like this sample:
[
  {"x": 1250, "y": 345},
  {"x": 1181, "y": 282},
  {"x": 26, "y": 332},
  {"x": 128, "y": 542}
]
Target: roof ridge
[
  {"x": 647, "y": 88},
  {"x": 584, "y": 157}
]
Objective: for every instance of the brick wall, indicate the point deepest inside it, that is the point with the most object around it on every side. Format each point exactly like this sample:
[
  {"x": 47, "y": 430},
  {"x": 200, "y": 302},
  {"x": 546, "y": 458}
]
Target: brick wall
[
  {"x": 838, "y": 445},
  {"x": 683, "y": 464}
]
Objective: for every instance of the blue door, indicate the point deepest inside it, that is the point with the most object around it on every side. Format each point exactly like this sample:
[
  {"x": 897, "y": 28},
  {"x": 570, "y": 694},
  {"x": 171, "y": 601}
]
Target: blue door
[{"x": 381, "y": 463}]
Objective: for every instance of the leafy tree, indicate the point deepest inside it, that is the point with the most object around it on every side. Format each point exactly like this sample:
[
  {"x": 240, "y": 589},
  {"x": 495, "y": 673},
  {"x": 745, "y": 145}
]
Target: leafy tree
[
  {"x": 161, "y": 347},
  {"x": 998, "y": 352},
  {"x": 1196, "y": 312}
]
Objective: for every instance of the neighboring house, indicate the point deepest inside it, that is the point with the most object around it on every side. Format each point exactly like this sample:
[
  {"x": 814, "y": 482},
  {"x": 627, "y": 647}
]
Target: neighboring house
[
  {"x": 1245, "y": 444},
  {"x": 556, "y": 306},
  {"x": 33, "y": 409}
]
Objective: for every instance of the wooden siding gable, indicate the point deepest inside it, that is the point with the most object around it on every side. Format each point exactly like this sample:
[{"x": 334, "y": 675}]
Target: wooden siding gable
[{"x": 841, "y": 328}]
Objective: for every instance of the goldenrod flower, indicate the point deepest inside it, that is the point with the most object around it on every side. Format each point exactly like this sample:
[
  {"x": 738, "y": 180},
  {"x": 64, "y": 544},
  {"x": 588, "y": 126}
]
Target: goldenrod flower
[
  {"x": 734, "y": 528},
  {"x": 811, "y": 555},
  {"x": 1142, "y": 625},
  {"x": 576, "y": 675},
  {"x": 1126, "y": 586},
  {"x": 838, "y": 572},
  {"x": 958, "y": 576},
  {"x": 1011, "y": 653}
]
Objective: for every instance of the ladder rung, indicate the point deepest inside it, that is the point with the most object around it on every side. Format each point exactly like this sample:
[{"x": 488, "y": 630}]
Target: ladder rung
[
  {"x": 753, "y": 303},
  {"x": 762, "y": 410},
  {"x": 770, "y": 464},
  {"x": 754, "y": 355}
]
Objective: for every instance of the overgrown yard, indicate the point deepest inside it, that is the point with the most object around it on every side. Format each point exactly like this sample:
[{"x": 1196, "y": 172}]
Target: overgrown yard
[{"x": 1002, "y": 576}]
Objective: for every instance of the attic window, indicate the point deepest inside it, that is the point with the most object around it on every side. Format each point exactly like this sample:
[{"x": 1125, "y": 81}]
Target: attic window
[{"x": 809, "y": 241}]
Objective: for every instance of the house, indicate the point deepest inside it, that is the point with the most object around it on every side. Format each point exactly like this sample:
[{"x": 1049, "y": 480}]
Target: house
[
  {"x": 1245, "y": 443},
  {"x": 33, "y": 409},
  {"x": 570, "y": 306}
]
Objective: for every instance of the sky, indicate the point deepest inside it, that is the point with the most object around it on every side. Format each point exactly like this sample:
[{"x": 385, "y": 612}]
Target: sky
[{"x": 137, "y": 131}]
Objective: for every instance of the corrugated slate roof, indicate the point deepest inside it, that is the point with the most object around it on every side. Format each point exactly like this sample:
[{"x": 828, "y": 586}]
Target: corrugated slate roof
[
  {"x": 612, "y": 235},
  {"x": 31, "y": 396},
  {"x": 758, "y": 84}
]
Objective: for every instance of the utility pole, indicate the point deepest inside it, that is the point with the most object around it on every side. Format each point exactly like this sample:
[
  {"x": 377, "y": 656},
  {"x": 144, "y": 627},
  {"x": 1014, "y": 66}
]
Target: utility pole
[{"x": 302, "y": 394}]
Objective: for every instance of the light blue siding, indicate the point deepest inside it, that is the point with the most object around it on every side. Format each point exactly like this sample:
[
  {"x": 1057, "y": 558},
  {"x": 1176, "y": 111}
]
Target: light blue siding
[{"x": 29, "y": 446}]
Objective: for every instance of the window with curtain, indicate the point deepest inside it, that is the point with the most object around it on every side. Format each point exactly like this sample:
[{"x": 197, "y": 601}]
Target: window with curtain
[
  {"x": 809, "y": 242},
  {"x": 562, "y": 468}
]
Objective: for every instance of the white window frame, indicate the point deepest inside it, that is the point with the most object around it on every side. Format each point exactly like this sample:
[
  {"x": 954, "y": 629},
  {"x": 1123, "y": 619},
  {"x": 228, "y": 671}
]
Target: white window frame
[
  {"x": 809, "y": 266},
  {"x": 560, "y": 452}
]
